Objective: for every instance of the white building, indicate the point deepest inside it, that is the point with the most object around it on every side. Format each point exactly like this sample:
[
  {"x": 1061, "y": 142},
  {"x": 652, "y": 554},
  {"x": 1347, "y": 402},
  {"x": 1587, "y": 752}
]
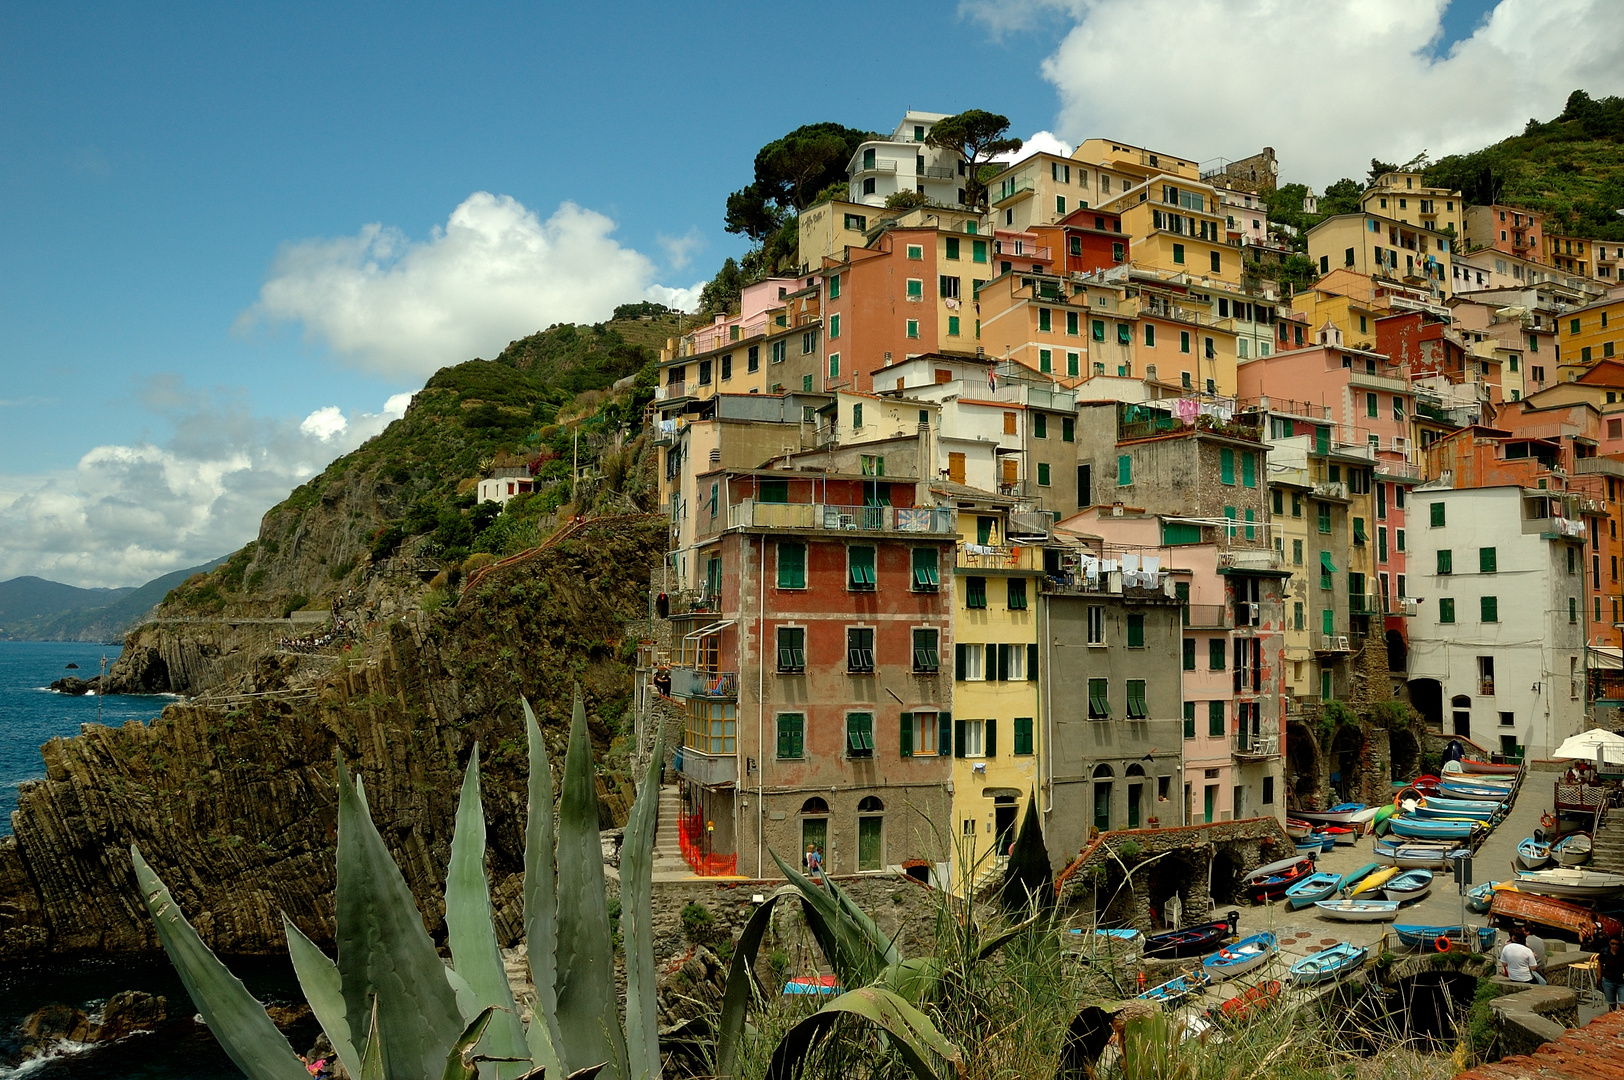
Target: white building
[
  {"x": 504, "y": 483},
  {"x": 1497, "y": 645},
  {"x": 905, "y": 162}
]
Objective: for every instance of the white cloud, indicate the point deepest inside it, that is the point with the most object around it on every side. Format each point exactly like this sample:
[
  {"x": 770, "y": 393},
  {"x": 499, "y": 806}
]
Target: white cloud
[
  {"x": 679, "y": 250},
  {"x": 682, "y": 299},
  {"x": 129, "y": 513},
  {"x": 1041, "y": 142},
  {"x": 494, "y": 272},
  {"x": 1329, "y": 85}
]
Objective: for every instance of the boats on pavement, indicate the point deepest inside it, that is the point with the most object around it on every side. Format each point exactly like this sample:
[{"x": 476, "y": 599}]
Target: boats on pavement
[
  {"x": 1245, "y": 955},
  {"x": 1570, "y": 882},
  {"x": 1479, "y": 792},
  {"x": 1513, "y": 904},
  {"x": 1476, "y": 938},
  {"x": 1533, "y": 853},
  {"x": 1358, "y": 910},
  {"x": 1316, "y": 886},
  {"x": 1254, "y": 999},
  {"x": 1430, "y": 811},
  {"x": 1274, "y": 886},
  {"x": 1296, "y": 828},
  {"x": 1311, "y": 844},
  {"x": 1407, "y": 886},
  {"x": 1433, "y": 828},
  {"x": 1174, "y": 992},
  {"x": 1343, "y": 835},
  {"x": 1340, "y": 814},
  {"x": 1354, "y": 877},
  {"x": 1270, "y": 868},
  {"x": 1327, "y": 965},
  {"x": 1468, "y": 807},
  {"x": 1488, "y": 768},
  {"x": 1191, "y": 941},
  {"x": 1426, "y": 855},
  {"x": 1372, "y": 882},
  {"x": 1572, "y": 850}
]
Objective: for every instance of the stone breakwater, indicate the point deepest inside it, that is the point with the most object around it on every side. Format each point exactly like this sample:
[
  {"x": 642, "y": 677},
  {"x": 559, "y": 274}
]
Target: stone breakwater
[{"x": 234, "y": 803}]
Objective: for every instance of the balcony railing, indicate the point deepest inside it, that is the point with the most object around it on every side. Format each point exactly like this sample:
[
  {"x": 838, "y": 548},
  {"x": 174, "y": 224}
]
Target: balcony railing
[
  {"x": 1334, "y": 643},
  {"x": 751, "y": 514},
  {"x": 1259, "y": 746},
  {"x": 1330, "y": 489},
  {"x": 1000, "y": 557},
  {"x": 1207, "y": 617},
  {"x": 693, "y": 683},
  {"x": 881, "y": 165},
  {"x": 1011, "y": 188},
  {"x": 671, "y": 391}
]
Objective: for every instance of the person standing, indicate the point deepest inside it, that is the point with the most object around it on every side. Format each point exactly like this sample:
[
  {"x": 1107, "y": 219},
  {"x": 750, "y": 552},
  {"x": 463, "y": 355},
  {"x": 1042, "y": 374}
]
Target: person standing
[{"x": 1612, "y": 972}]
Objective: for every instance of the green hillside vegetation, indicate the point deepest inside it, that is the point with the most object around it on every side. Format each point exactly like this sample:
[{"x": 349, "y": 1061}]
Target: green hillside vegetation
[
  {"x": 411, "y": 488},
  {"x": 102, "y": 621}
]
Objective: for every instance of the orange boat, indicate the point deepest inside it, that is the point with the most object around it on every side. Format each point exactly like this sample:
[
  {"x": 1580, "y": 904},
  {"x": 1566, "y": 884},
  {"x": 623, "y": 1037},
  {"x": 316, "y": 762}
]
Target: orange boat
[{"x": 1579, "y": 921}]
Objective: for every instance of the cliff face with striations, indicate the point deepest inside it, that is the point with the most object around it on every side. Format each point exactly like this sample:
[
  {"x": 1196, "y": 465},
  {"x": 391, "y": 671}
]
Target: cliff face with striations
[{"x": 233, "y": 802}]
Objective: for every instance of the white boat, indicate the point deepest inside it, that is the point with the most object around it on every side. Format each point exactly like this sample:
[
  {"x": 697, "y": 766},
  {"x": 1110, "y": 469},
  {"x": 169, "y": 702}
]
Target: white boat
[
  {"x": 1572, "y": 850},
  {"x": 1410, "y": 885},
  {"x": 1358, "y": 910},
  {"x": 1566, "y": 881}
]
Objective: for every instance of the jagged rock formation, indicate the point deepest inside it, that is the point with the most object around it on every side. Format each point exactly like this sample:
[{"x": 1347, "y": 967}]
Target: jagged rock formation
[{"x": 234, "y": 803}]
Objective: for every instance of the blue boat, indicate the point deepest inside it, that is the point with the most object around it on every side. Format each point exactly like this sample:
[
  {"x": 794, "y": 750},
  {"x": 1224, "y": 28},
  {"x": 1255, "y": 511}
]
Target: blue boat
[
  {"x": 1173, "y": 992},
  {"x": 1479, "y": 899},
  {"x": 1470, "y": 807},
  {"x": 1423, "y": 829},
  {"x": 1328, "y": 965},
  {"x": 1410, "y": 885},
  {"x": 1533, "y": 853},
  {"x": 1329, "y": 841},
  {"x": 1243, "y": 956},
  {"x": 1473, "y": 792},
  {"x": 1429, "y": 855},
  {"x": 1311, "y": 888},
  {"x": 1480, "y": 938},
  {"x": 1428, "y": 812},
  {"x": 1311, "y": 844},
  {"x": 1350, "y": 880}
]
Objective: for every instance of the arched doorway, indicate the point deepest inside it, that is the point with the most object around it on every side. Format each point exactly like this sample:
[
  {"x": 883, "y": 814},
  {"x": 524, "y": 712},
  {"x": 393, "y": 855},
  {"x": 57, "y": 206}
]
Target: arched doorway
[
  {"x": 1460, "y": 716},
  {"x": 1102, "y": 797},
  {"x": 870, "y": 834},
  {"x": 1136, "y": 795},
  {"x": 1405, "y": 753},
  {"x": 1427, "y": 696},
  {"x": 1302, "y": 766},
  {"x": 1397, "y": 651},
  {"x": 815, "y": 831},
  {"x": 1347, "y": 762},
  {"x": 1226, "y": 876}
]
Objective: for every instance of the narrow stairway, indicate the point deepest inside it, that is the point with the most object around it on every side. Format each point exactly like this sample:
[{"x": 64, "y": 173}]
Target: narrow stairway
[
  {"x": 668, "y": 860},
  {"x": 1608, "y": 853}
]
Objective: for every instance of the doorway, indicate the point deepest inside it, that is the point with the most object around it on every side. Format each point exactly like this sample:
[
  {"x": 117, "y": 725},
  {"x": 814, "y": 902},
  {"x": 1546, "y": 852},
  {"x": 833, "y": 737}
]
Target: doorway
[{"x": 1003, "y": 823}]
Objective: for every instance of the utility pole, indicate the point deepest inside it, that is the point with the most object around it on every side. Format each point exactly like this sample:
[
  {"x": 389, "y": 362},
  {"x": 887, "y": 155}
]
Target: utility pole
[
  {"x": 575, "y": 467},
  {"x": 101, "y": 689}
]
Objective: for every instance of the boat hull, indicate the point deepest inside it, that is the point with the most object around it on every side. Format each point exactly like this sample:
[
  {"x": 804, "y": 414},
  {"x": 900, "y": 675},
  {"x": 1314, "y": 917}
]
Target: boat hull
[
  {"x": 1532, "y": 854},
  {"x": 1431, "y": 829},
  {"x": 1581, "y": 922},
  {"x": 1488, "y": 768},
  {"x": 1175, "y": 992},
  {"x": 1312, "y": 888},
  {"x": 1410, "y": 885},
  {"x": 1245, "y": 955},
  {"x": 1570, "y": 884},
  {"x": 1185, "y": 943},
  {"x": 1358, "y": 910},
  {"x": 1328, "y": 965},
  {"x": 1479, "y": 938},
  {"x": 1329, "y": 817},
  {"x": 1420, "y": 856},
  {"x": 1572, "y": 850}
]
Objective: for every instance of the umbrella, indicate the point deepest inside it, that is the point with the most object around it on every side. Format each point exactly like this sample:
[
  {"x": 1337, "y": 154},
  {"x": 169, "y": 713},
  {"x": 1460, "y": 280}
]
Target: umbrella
[{"x": 1588, "y": 744}]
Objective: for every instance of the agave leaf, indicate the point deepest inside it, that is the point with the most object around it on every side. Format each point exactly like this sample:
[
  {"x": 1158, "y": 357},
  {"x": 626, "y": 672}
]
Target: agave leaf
[
  {"x": 588, "y": 1008},
  {"x": 468, "y": 1005},
  {"x": 637, "y": 924},
  {"x": 886, "y": 947},
  {"x": 1000, "y": 940},
  {"x": 471, "y": 935},
  {"x": 741, "y": 983},
  {"x": 459, "y": 1064},
  {"x": 912, "y": 1034},
  {"x": 849, "y": 950},
  {"x": 236, "y": 1018},
  {"x": 372, "y": 1061},
  {"x": 324, "y": 990},
  {"x": 541, "y": 901},
  {"x": 914, "y": 980},
  {"x": 384, "y": 953}
]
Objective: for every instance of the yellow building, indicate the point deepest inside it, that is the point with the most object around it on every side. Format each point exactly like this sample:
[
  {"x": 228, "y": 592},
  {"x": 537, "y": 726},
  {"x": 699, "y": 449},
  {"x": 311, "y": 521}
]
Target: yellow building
[
  {"x": 1055, "y": 327},
  {"x": 1042, "y": 188},
  {"x": 1133, "y": 160},
  {"x": 1376, "y": 246},
  {"x": 1594, "y": 332},
  {"x": 1180, "y": 228},
  {"x": 996, "y": 703},
  {"x": 1402, "y": 196},
  {"x": 1596, "y": 260}
]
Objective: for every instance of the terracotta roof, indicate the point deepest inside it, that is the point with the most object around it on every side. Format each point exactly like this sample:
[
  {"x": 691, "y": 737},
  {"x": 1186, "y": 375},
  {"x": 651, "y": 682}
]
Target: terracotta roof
[{"x": 1592, "y": 1052}]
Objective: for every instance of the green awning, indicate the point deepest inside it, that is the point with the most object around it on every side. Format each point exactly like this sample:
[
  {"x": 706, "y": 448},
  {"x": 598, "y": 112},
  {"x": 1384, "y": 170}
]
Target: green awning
[{"x": 1326, "y": 564}]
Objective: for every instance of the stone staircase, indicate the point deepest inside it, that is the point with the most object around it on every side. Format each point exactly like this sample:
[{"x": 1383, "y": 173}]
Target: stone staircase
[
  {"x": 1608, "y": 853},
  {"x": 668, "y": 860}
]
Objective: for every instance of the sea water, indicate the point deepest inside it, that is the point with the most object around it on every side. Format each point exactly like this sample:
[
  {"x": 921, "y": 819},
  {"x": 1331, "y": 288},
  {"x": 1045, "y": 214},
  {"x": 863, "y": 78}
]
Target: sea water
[{"x": 30, "y": 715}]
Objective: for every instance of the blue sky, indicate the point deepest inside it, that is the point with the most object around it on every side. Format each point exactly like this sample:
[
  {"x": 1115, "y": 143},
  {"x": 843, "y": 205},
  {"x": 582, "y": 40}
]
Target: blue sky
[{"x": 160, "y": 166}]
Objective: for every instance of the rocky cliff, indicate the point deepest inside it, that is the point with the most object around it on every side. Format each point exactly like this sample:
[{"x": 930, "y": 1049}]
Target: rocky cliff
[{"x": 233, "y": 801}]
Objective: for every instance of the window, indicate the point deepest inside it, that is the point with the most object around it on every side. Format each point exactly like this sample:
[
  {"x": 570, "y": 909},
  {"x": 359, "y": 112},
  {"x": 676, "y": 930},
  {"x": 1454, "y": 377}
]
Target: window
[
  {"x": 1099, "y": 699},
  {"x": 1023, "y": 736},
  {"x": 1096, "y": 329},
  {"x": 1043, "y": 474},
  {"x": 948, "y": 287},
  {"x": 857, "y": 222},
  {"x": 1226, "y": 466},
  {"x": 912, "y": 328},
  {"x": 1136, "y": 630},
  {"x": 1017, "y": 594},
  {"x": 712, "y": 727},
  {"x": 1124, "y": 471},
  {"x": 1068, "y": 429},
  {"x": 1437, "y": 509},
  {"x": 916, "y": 289},
  {"x": 1096, "y": 625},
  {"x": 1296, "y": 552},
  {"x": 953, "y": 247},
  {"x": 753, "y": 359},
  {"x": 1248, "y": 469},
  {"x": 791, "y": 565},
  {"x": 1189, "y": 654},
  {"x": 921, "y": 735},
  {"x": 1073, "y": 364},
  {"x": 971, "y": 736},
  {"x": 791, "y": 735},
  {"x": 1486, "y": 560},
  {"x": 1489, "y": 608},
  {"x": 860, "y": 569},
  {"x": 1184, "y": 341},
  {"x": 1215, "y": 719},
  {"x": 859, "y": 649},
  {"x": 1446, "y": 561},
  {"x": 926, "y": 563},
  {"x": 860, "y": 735},
  {"x": 1297, "y": 622},
  {"x": 1045, "y": 360},
  {"x": 1573, "y": 608},
  {"x": 1137, "y": 709},
  {"x": 1216, "y": 265},
  {"x": 967, "y": 663},
  {"x": 834, "y": 326},
  {"x": 1045, "y": 320},
  {"x": 1324, "y": 517},
  {"x": 857, "y": 415},
  {"x": 792, "y": 649},
  {"x": 978, "y": 251},
  {"x": 915, "y": 251},
  {"x": 1446, "y": 609},
  {"x": 1327, "y": 570},
  {"x": 926, "y": 658},
  {"x": 975, "y": 592},
  {"x": 1216, "y": 656},
  {"x": 1178, "y": 253}
]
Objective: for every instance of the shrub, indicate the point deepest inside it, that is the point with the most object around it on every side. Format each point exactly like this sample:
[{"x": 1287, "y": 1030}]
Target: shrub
[{"x": 698, "y": 923}]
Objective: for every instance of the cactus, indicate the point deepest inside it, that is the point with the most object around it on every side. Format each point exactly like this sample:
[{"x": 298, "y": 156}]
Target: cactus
[{"x": 422, "y": 1020}]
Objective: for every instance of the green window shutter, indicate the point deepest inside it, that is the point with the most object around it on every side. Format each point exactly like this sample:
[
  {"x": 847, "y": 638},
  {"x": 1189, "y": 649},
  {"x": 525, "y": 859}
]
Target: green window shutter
[
  {"x": 1226, "y": 466},
  {"x": 1216, "y": 657},
  {"x": 1045, "y": 320},
  {"x": 952, "y": 326},
  {"x": 1032, "y": 662},
  {"x": 958, "y": 738},
  {"x": 1073, "y": 364},
  {"x": 1043, "y": 474},
  {"x": 952, "y": 247},
  {"x": 1097, "y": 329},
  {"x": 1249, "y": 469},
  {"x": 1486, "y": 560},
  {"x": 785, "y": 738},
  {"x": 1189, "y": 719},
  {"x": 1099, "y": 700},
  {"x": 1068, "y": 427},
  {"x": 944, "y": 733},
  {"x": 1437, "y": 515},
  {"x": 989, "y": 729},
  {"x": 1178, "y": 532},
  {"x": 978, "y": 251},
  {"x": 1446, "y": 561},
  {"x": 958, "y": 661},
  {"x": 860, "y": 568},
  {"x": 905, "y": 736},
  {"x": 1124, "y": 471},
  {"x": 1322, "y": 440},
  {"x": 1446, "y": 609},
  {"x": 983, "y": 530},
  {"x": 1045, "y": 360},
  {"x": 916, "y": 289},
  {"x": 1002, "y": 666},
  {"x": 791, "y": 566},
  {"x": 1489, "y": 607},
  {"x": 1251, "y": 533},
  {"x": 1040, "y": 424},
  {"x": 975, "y": 592},
  {"x": 834, "y": 287},
  {"x": 1124, "y": 335},
  {"x": 1215, "y": 718},
  {"x": 1189, "y": 654},
  {"x": 1327, "y": 621},
  {"x": 1136, "y": 631},
  {"x": 1023, "y": 736},
  {"x": 1017, "y": 594}
]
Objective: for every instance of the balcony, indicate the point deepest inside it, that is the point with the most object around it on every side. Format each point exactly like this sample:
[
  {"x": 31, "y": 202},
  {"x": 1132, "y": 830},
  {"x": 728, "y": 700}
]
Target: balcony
[
  {"x": 1333, "y": 643},
  {"x": 1207, "y": 617},
  {"x": 1364, "y": 380},
  {"x": 1017, "y": 249},
  {"x": 1010, "y": 189},
  {"x": 936, "y": 172},
  {"x": 1259, "y": 747},
  {"x": 1331, "y": 489},
  {"x": 1000, "y": 557},
  {"x": 879, "y": 165},
  {"x": 1364, "y": 604},
  {"x": 711, "y": 685},
  {"x": 1404, "y": 605},
  {"x": 709, "y": 770},
  {"x": 750, "y": 514},
  {"x": 1255, "y": 559},
  {"x": 671, "y": 391}
]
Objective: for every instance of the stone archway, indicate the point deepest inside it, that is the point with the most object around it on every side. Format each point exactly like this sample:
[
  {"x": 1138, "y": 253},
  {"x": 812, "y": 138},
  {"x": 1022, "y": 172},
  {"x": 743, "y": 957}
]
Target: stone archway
[
  {"x": 1305, "y": 778},
  {"x": 1397, "y": 652},
  {"x": 1404, "y": 752},
  {"x": 1427, "y": 696},
  {"x": 1226, "y": 876},
  {"x": 1347, "y": 763},
  {"x": 1180, "y": 873}
]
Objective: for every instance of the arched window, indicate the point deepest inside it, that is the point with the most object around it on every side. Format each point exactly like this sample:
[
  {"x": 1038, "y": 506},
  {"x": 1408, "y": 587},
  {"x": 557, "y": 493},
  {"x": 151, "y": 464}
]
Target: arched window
[
  {"x": 1460, "y": 701},
  {"x": 869, "y": 805},
  {"x": 1136, "y": 770},
  {"x": 814, "y": 805},
  {"x": 1103, "y": 772},
  {"x": 870, "y": 834}
]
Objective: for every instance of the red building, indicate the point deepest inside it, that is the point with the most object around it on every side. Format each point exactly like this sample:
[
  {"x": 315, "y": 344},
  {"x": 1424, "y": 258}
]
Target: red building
[
  {"x": 818, "y": 685},
  {"x": 1090, "y": 240}
]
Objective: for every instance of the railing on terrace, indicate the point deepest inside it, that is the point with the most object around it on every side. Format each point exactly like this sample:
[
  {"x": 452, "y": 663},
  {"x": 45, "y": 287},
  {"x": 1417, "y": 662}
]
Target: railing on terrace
[
  {"x": 1207, "y": 617},
  {"x": 880, "y": 165},
  {"x": 694, "y": 840},
  {"x": 671, "y": 391},
  {"x": 715, "y": 685},
  {"x": 1000, "y": 557},
  {"x": 1262, "y": 745},
  {"x": 760, "y": 515},
  {"x": 937, "y": 172},
  {"x": 720, "y": 335},
  {"x": 1164, "y": 424},
  {"x": 1021, "y": 250}
]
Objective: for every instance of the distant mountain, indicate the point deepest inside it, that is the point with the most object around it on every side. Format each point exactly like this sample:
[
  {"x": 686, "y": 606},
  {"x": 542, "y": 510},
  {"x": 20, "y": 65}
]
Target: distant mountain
[{"x": 33, "y": 609}]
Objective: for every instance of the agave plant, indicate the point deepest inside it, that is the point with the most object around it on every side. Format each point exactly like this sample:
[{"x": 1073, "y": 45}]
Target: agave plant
[{"x": 394, "y": 1010}]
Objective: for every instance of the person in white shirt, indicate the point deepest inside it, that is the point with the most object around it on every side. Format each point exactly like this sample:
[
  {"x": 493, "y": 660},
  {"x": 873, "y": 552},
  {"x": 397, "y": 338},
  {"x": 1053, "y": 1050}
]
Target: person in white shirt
[
  {"x": 1537, "y": 945},
  {"x": 1519, "y": 962}
]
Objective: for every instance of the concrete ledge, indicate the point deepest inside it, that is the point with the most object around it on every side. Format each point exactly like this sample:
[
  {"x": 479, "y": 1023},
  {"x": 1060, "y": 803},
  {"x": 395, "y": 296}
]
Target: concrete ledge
[{"x": 1532, "y": 1016}]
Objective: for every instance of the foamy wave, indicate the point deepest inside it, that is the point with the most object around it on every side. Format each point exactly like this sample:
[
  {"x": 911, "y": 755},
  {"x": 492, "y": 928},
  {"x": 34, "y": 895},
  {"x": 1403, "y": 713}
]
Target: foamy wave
[{"x": 65, "y": 1048}]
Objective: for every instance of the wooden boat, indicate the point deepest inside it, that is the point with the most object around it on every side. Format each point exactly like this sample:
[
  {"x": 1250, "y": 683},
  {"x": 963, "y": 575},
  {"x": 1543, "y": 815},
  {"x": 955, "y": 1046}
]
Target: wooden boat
[
  {"x": 1413, "y": 855},
  {"x": 1312, "y": 844},
  {"x": 1344, "y": 835},
  {"x": 1426, "y": 785},
  {"x": 1192, "y": 941},
  {"x": 1572, "y": 850},
  {"x": 1566, "y": 881},
  {"x": 1350, "y": 880},
  {"x": 813, "y": 984},
  {"x": 1328, "y": 965},
  {"x": 1274, "y": 886},
  {"x": 1328, "y": 839},
  {"x": 1314, "y": 887},
  {"x": 1518, "y": 906},
  {"x": 1174, "y": 992},
  {"x": 1256, "y": 998},
  {"x": 1478, "y": 792},
  {"x": 1373, "y": 883},
  {"x": 1476, "y": 938},
  {"x": 1340, "y": 814},
  {"x": 1468, "y": 807},
  {"x": 1358, "y": 910},
  {"x": 1426, "y": 811},
  {"x": 1297, "y": 828},
  {"x": 1243, "y": 956},
  {"x": 1269, "y": 868},
  {"x": 1477, "y": 900},
  {"x": 1365, "y": 816},
  {"x": 1488, "y": 768},
  {"x": 1410, "y": 885},
  {"x": 1533, "y": 854},
  {"x": 1432, "y": 829}
]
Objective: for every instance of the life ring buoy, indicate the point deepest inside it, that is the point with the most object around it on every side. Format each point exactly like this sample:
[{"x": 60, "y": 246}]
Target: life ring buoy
[
  {"x": 1547, "y": 819},
  {"x": 1441, "y": 943}
]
